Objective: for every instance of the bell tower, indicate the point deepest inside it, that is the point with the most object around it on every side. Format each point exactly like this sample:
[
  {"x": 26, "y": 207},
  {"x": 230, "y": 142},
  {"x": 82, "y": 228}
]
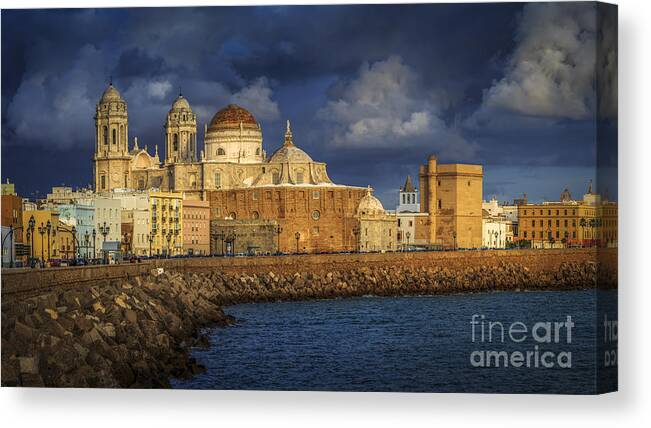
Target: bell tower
[
  {"x": 180, "y": 133},
  {"x": 111, "y": 159}
]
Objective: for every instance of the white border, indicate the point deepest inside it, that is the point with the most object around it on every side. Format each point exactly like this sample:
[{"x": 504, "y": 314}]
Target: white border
[{"x": 194, "y": 409}]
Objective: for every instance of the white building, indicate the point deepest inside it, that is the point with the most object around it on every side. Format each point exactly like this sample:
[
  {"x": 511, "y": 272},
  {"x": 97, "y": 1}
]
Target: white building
[
  {"x": 108, "y": 219},
  {"x": 136, "y": 213},
  {"x": 499, "y": 224}
]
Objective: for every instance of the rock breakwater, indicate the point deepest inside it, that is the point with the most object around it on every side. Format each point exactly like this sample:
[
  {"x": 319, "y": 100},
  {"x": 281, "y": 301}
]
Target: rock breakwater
[{"x": 138, "y": 333}]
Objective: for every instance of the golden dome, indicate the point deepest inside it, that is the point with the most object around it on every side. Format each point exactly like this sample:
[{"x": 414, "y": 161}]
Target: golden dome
[
  {"x": 369, "y": 205},
  {"x": 231, "y": 116},
  {"x": 110, "y": 94}
]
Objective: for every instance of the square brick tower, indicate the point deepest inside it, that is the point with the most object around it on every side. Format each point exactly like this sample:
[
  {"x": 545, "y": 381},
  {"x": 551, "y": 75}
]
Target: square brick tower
[{"x": 452, "y": 195}]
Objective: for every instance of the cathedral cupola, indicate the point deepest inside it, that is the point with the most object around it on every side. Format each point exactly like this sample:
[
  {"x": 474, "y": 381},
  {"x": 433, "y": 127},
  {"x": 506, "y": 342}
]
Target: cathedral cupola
[
  {"x": 181, "y": 132},
  {"x": 234, "y": 135}
]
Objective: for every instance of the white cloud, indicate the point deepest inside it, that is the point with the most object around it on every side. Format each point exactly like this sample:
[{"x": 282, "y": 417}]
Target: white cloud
[
  {"x": 552, "y": 70},
  {"x": 257, "y": 99},
  {"x": 159, "y": 89},
  {"x": 386, "y": 105}
]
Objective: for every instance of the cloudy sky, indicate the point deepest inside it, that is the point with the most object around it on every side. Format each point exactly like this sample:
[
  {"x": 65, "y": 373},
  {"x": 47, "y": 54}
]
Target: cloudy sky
[{"x": 371, "y": 90}]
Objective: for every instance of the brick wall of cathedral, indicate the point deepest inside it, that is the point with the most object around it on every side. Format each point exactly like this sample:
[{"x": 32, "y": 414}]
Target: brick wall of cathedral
[{"x": 324, "y": 216}]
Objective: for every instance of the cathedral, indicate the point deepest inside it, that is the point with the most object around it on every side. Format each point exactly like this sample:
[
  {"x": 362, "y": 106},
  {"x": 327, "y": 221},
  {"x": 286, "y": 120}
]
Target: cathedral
[
  {"x": 288, "y": 189},
  {"x": 233, "y": 157}
]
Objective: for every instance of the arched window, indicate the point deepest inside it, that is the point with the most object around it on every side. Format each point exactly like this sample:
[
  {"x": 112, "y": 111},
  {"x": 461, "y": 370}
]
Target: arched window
[
  {"x": 276, "y": 177},
  {"x": 141, "y": 183},
  {"x": 105, "y": 132},
  {"x": 114, "y": 138},
  {"x": 257, "y": 151},
  {"x": 220, "y": 152},
  {"x": 218, "y": 180},
  {"x": 175, "y": 143}
]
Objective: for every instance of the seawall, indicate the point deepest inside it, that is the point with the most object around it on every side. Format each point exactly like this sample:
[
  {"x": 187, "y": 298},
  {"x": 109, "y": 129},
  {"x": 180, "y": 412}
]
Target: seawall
[{"x": 30, "y": 282}]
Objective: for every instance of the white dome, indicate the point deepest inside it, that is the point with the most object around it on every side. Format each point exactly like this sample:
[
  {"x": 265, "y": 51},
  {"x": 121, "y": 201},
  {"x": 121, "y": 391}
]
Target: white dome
[{"x": 370, "y": 205}]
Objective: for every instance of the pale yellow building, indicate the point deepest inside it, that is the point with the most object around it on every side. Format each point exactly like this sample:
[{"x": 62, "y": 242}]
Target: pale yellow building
[
  {"x": 378, "y": 229},
  {"x": 166, "y": 232}
]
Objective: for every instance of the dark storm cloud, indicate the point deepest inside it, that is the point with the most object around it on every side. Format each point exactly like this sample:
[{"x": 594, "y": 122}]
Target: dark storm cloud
[{"x": 372, "y": 90}]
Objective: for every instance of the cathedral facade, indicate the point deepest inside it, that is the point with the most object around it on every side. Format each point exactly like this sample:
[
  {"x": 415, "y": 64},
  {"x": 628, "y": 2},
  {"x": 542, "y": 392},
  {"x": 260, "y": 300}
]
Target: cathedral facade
[
  {"x": 234, "y": 174},
  {"x": 233, "y": 158}
]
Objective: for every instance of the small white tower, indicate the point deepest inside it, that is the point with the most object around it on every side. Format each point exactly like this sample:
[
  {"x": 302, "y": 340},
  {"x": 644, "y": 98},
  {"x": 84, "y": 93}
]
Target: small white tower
[{"x": 408, "y": 198}]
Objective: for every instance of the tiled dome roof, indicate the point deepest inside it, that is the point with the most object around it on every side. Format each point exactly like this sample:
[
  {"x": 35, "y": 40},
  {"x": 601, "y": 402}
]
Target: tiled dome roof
[{"x": 231, "y": 115}]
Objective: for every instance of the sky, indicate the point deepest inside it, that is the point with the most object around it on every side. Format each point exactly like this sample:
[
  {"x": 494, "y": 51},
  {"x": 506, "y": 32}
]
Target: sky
[{"x": 526, "y": 90}]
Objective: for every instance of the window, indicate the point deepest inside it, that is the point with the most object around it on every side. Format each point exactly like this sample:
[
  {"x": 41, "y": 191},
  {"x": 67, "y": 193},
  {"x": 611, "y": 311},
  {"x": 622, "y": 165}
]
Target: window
[
  {"x": 411, "y": 223},
  {"x": 103, "y": 182},
  {"x": 114, "y": 136},
  {"x": 257, "y": 151},
  {"x": 105, "y": 132},
  {"x": 299, "y": 177},
  {"x": 525, "y": 233},
  {"x": 255, "y": 215},
  {"x": 275, "y": 178},
  {"x": 564, "y": 212},
  {"x": 565, "y": 223},
  {"x": 440, "y": 204},
  {"x": 549, "y": 223},
  {"x": 221, "y": 152},
  {"x": 316, "y": 215},
  {"x": 558, "y": 223},
  {"x": 255, "y": 196},
  {"x": 218, "y": 180},
  {"x": 316, "y": 194},
  {"x": 399, "y": 222},
  {"x": 533, "y": 233}
]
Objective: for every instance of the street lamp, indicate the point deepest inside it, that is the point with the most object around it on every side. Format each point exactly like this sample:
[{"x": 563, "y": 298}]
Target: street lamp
[
  {"x": 94, "y": 241},
  {"x": 49, "y": 230},
  {"x": 279, "y": 230},
  {"x": 297, "y": 235},
  {"x": 74, "y": 244},
  {"x": 41, "y": 230},
  {"x": 150, "y": 238},
  {"x": 86, "y": 242},
  {"x": 30, "y": 233},
  {"x": 104, "y": 230}
]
